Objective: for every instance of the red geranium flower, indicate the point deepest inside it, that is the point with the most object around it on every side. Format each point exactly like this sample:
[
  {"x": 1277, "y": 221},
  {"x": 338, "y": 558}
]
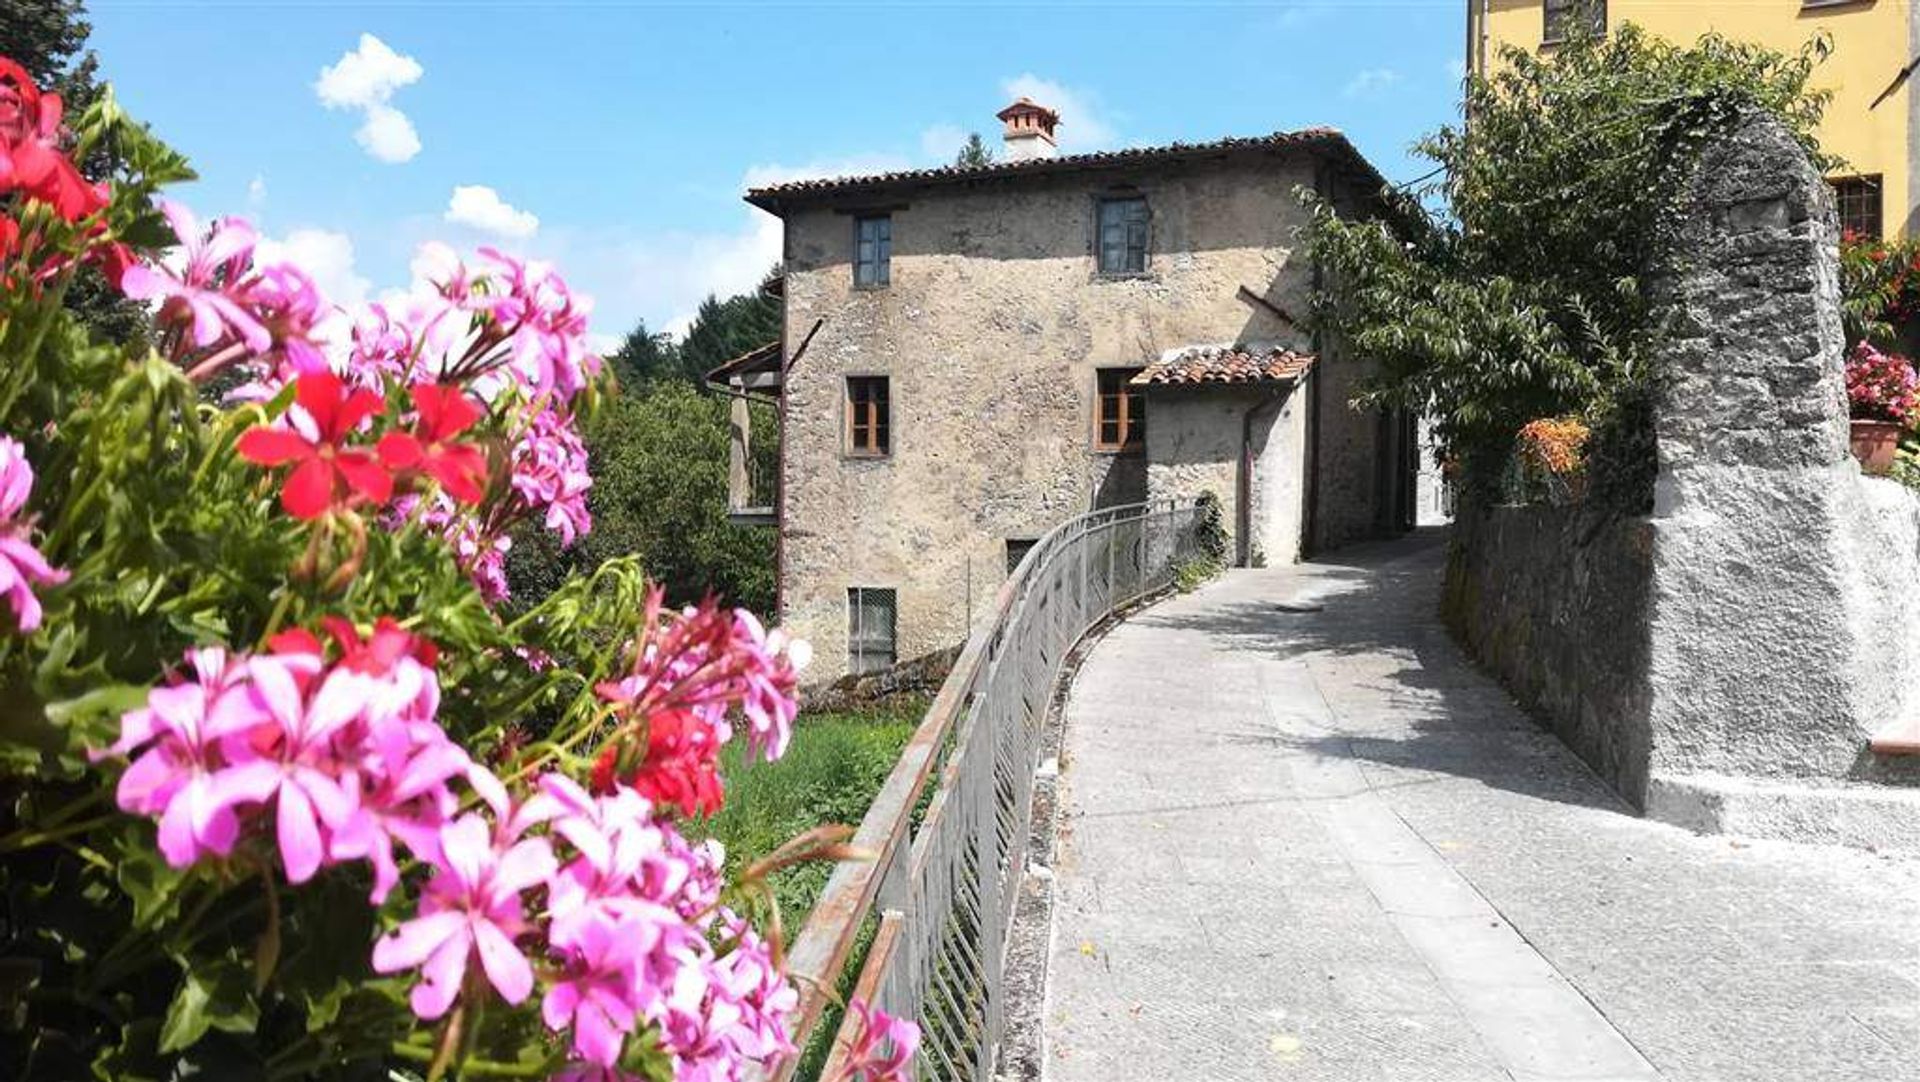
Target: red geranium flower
[
  {"x": 681, "y": 768},
  {"x": 30, "y": 159},
  {"x": 444, "y": 412},
  {"x": 324, "y": 414}
]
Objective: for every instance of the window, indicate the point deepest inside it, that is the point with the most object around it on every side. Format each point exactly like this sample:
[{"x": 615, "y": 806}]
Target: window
[
  {"x": 872, "y": 250},
  {"x": 1564, "y": 17},
  {"x": 1123, "y": 236},
  {"x": 1859, "y": 202},
  {"x": 870, "y": 627},
  {"x": 1120, "y": 411},
  {"x": 1017, "y": 549},
  {"x": 868, "y": 416}
]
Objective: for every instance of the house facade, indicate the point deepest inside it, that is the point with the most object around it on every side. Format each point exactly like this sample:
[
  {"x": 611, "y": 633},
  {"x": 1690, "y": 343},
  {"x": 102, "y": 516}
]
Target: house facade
[
  {"x": 973, "y": 355},
  {"x": 1872, "y": 124}
]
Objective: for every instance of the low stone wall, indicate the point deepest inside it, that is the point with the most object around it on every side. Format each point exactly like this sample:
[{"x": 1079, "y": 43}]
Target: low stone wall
[{"x": 1553, "y": 600}]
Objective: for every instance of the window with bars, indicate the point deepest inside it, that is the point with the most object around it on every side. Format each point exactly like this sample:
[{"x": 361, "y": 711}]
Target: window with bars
[
  {"x": 1563, "y": 17},
  {"x": 1120, "y": 411},
  {"x": 1017, "y": 549},
  {"x": 869, "y": 416},
  {"x": 1123, "y": 235},
  {"x": 871, "y": 620},
  {"x": 1860, "y": 206},
  {"x": 872, "y": 250}
]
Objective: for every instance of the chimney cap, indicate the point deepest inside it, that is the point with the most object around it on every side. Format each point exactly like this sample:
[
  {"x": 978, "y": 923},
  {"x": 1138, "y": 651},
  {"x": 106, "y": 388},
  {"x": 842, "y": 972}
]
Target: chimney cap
[{"x": 1027, "y": 107}]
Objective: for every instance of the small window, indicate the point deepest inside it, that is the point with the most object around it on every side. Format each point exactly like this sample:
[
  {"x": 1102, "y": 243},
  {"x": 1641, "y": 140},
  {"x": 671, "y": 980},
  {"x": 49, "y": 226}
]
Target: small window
[
  {"x": 870, "y": 629},
  {"x": 1859, "y": 203},
  {"x": 869, "y": 416},
  {"x": 872, "y": 250},
  {"x": 1564, "y": 17},
  {"x": 1120, "y": 412},
  {"x": 1123, "y": 236},
  {"x": 1017, "y": 549}
]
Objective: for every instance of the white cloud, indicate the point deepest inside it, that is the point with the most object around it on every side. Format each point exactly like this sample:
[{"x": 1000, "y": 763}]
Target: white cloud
[
  {"x": 1370, "y": 82},
  {"x": 366, "y": 76},
  {"x": 388, "y": 135},
  {"x": 941, "y": 143},
  {"x": 257, "y": 192},
  {"x": 1082, "y": 128},
  {"x": 1457, "y": 68},
  {"x": 326, "y": 256},
  {"x": 365, "y": 79},
  {"x": 759, "y": 176},
  {"x": 480, "y": 207}
]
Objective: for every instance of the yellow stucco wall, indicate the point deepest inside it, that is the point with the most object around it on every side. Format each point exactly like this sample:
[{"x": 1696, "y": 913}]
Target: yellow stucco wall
[{"x": 1871, "y": 43}]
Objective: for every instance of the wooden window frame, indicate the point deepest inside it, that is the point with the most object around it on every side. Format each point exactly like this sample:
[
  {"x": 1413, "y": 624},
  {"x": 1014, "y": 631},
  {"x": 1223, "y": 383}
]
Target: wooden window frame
[
  {"x": 867, "y": 421},
  {"x": 1861, "y": 186},
  {"x": 882, "y": 263},
  {"x": 1131, "y": 404},
  {"x": 1114, "y": 199},
  {"x": 858, "y": 649}
]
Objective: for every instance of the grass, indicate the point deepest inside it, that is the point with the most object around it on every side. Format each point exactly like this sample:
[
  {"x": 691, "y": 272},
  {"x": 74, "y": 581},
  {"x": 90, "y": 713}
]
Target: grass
[{"x": 830, "y": 774}]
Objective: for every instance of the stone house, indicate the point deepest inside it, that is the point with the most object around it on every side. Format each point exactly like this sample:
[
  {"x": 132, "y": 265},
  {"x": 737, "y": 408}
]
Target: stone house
[{"x": 974, "y": 354}]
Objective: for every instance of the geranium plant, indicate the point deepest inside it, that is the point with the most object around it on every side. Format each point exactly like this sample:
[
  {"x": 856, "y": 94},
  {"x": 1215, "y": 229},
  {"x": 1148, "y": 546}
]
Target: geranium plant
[
  {"x": 288, "y": 794},
  {"x": 1882, "y": 386}
]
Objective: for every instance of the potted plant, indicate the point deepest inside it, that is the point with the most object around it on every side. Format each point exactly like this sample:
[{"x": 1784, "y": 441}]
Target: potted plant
[{"x": 1883, "y": 399}]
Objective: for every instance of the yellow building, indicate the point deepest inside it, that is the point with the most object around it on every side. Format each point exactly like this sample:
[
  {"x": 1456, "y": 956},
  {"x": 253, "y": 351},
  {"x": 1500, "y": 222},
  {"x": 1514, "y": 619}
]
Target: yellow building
[{"x": 1873, "y": 122}]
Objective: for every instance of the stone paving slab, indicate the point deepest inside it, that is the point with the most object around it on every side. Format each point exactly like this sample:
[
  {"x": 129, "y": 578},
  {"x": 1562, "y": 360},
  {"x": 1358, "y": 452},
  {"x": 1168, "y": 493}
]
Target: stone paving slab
[{"x": 1321, "y": 846}]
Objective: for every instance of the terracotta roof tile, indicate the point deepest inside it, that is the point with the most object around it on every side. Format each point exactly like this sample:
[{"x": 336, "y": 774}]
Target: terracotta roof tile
[
  {"x": 772, "y": 197},
  {"x": 1226, "y": 364}
]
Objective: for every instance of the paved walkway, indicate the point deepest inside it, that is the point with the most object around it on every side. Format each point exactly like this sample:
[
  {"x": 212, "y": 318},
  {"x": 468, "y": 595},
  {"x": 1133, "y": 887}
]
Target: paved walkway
[{"x": 1321, "y": 846}]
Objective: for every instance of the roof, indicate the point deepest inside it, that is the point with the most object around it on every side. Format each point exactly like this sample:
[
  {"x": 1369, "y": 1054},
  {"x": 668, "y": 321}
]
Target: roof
[
  {"x": 1329, "y": 141},
  {"x": 754, "y": 361},
  {"x": 1216, "y": 365}
]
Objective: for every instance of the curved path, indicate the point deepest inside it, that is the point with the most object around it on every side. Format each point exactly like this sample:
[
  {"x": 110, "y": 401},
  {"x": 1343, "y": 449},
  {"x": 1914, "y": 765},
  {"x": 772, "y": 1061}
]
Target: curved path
[{"x": 1320, "y": 845}]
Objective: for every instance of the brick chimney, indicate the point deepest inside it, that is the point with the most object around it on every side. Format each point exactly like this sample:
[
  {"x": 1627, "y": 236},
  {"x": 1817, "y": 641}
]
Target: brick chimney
[{"x": 1029, "y": 131}]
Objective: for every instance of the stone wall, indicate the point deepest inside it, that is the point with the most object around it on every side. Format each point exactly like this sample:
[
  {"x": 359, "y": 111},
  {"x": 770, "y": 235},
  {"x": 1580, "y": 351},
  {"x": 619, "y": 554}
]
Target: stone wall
[
  {"x": 1555, "y": 600},
  {"x": 991, "y": 332},
  {"x": 1726, "y": 660},
  {"x": 1194, "y": 445}
]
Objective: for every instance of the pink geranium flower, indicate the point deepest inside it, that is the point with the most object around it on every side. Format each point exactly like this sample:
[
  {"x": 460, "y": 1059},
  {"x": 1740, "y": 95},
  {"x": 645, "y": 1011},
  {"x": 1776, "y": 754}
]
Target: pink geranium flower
[
  {"x": 472, "y": 906},
  {"x": 291, "y": 760},
  {"x": 598, "y": 997},
  {"x": 882, "y": 1046},
  {"x": 21, "y": 565},
  {"x": 179, "y": 776},
  {"x": 199, "y": 297}
]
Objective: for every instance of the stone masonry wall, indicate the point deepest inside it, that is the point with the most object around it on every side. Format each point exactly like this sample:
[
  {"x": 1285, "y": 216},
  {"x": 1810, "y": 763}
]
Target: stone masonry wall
[
  {"x": 1554, "y": 599},
  {"x": 1726, "y": 661},
  {"x": 991, "y": 332}
]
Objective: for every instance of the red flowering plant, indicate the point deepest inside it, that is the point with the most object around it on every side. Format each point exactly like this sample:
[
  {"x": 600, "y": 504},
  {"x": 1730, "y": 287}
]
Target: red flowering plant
[
  {"x": 290, "y": 795},
  {"x": 1882, "y": 387}
]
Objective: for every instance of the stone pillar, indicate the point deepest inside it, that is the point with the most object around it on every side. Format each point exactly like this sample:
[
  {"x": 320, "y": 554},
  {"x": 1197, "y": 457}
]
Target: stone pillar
[{"x": 1767, "y": 678}]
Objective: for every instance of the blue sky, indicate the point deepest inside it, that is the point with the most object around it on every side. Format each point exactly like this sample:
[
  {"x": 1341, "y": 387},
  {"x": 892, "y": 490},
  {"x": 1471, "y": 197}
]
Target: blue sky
[{"x": 615, "y": 138}]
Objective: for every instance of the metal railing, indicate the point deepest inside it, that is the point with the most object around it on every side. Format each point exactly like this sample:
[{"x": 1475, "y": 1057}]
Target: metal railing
[{"x": 943, "y": 885}]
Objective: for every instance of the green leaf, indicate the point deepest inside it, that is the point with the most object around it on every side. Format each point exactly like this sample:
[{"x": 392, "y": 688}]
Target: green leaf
[{"x": 213, "y": 996}]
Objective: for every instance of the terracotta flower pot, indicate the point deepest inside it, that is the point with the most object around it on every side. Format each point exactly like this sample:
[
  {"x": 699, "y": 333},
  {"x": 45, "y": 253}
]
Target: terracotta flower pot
[{"x": 1874, "y": 444}]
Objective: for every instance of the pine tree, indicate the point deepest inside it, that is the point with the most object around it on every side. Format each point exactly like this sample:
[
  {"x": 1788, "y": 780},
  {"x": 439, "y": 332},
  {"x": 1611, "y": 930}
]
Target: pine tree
[{"x": 975, "y": 153}]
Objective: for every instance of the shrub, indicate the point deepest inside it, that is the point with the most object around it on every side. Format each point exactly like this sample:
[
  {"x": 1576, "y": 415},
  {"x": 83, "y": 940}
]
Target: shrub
[
  {"x": 1524, "y": 295},
  {"x": 292, "y": 794}
]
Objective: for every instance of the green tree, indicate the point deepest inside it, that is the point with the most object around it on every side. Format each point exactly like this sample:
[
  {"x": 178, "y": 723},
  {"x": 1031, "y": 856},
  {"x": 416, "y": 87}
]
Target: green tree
[
  {"x": 723, "y": 330},
  {"x": 645, "y": 356},
  {"x": 1523, "y": 295},
  {"x": 974, "y": 153}
]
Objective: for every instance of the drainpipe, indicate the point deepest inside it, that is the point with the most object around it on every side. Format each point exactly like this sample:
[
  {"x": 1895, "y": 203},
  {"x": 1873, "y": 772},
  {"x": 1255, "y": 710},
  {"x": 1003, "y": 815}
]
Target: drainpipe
[
  {"x": 1310, "y": 530},
  {"x": 1913, "y": 130}
]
